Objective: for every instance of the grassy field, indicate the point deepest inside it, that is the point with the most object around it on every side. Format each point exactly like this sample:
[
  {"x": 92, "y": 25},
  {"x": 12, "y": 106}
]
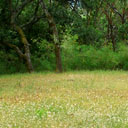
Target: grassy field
[{"x": 97, "y": 99}]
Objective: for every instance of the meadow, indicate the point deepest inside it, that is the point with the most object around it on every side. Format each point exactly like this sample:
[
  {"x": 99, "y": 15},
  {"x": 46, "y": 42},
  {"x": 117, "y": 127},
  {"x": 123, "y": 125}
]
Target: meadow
[{"x": 84, "y": 99}]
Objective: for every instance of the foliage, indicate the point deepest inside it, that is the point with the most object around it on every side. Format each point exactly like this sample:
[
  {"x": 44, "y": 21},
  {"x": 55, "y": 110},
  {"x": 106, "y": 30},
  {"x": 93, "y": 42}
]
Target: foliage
[
  {"x": 87, "y": 32},
  {"x": 84, "y": 57}
]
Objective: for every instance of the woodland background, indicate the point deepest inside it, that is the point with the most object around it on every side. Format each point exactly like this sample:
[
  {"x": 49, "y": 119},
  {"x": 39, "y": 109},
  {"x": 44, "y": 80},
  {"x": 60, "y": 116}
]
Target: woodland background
[{"x": 63, "y": 35}]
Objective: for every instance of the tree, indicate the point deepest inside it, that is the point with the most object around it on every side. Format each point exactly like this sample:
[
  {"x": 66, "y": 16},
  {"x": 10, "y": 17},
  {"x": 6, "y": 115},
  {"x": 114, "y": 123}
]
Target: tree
[
  {"x": 15, "y": 9},
  {"x": 53, "y": 27}
]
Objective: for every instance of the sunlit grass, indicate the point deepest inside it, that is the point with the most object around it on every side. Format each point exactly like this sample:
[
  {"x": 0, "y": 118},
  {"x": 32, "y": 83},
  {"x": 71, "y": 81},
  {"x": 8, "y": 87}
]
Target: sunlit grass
[{"x": 93, "y": 99}]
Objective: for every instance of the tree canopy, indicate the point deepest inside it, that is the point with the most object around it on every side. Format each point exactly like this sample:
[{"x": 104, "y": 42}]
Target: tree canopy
[{"x": 37, "y": 35}]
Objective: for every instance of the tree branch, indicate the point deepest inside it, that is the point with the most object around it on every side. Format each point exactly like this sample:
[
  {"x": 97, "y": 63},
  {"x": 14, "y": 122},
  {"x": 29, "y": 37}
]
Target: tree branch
[
  {"x": 14, "y": 47},
  {"x": 115, "y": 9},
  {"x": 34, "y": 18},
  {"x": 21, "y": 7},
  {"x": 75, "y": 5},
  {"x": 32, "y": 21}
]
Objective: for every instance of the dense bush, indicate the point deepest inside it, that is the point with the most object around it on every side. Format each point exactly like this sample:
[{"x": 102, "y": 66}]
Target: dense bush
[
  {"x": 84, "y": 57},
  {"x": 10, "y": 63},
  {"x": 74, "y": 57}
]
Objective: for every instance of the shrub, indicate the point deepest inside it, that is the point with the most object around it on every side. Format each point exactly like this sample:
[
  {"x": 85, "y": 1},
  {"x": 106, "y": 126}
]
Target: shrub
[{"x": 85, "y": 57}]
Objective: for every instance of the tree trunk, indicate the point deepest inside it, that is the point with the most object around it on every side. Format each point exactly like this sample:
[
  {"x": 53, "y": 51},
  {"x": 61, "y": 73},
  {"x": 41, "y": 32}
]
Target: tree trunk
[
  {"x": 55, "y": 37},
  {"x": 58, "y": 59},
  {"x": 108, "y": 33},
  {"x": 25, "y": 57},
  {"x": 123, "y": 22},
  {"x": 29, "y": 63},
  {"x": 122, "y": 16},
  {"x": 27, "y": 54},
  {"x": 113, "y": 38},
  {"x": 110, "y": 23}
]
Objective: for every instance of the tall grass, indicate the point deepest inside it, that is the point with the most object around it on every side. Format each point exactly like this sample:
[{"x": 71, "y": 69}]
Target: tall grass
[{"x": 93, "y": 99}]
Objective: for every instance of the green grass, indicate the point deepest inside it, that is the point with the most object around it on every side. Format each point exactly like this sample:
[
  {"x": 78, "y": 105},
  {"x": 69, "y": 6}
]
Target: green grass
[{"x": 92, "y": 99}]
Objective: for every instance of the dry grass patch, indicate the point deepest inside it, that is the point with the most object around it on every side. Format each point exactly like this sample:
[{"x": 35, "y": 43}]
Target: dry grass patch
[{"x": 70, "y": 100}]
